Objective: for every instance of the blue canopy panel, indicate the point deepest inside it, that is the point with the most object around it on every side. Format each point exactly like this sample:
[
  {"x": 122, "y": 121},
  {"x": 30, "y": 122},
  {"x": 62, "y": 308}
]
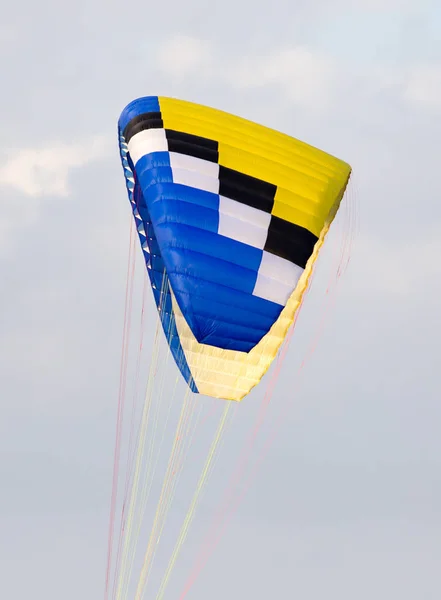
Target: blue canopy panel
[
  {"x": 214, "y": 276},
  {"x": 154, "y": 263}
]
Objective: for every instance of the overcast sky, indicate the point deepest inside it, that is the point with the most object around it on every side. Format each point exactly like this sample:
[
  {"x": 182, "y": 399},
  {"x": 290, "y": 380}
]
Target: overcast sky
[{"x": 348, "y": 502}]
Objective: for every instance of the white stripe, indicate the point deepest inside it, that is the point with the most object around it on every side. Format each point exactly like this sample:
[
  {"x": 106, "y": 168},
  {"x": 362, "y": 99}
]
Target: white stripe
[
  {"x": 276, "y": 278},
  {"x": 196, "y": 180},
  {"x": 147, "y": 141},
  {"x": 190, "y": 163},
  {"x": 243, "y": 223},
  {"x": 244, "y": 212},
  {"x": 279, "y": 268}
]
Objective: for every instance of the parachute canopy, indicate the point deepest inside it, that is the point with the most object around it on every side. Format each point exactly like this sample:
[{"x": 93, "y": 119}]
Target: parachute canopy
[{"x": 231, "y": 216}]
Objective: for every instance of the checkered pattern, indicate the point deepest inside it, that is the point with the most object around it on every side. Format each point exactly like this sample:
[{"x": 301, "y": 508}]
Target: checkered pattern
[
  {"x": 277, "y": 275},
  {"x": 231, "y": 217}
]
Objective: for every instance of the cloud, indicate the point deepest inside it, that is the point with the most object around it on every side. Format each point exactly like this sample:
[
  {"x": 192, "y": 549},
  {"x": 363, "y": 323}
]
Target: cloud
[
  {"x": 44, "y": 171},
  {"x": 419, "y": 85},
  {"x": 305, "y": 77},
  {"x": 40, "y": 172},
  {"x": 183, "y": 55},
  {"x": 423, "y": 86}
]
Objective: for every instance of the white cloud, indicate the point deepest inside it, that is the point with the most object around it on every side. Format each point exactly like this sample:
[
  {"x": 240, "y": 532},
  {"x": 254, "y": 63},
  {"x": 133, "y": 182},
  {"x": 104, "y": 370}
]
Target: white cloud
[
  {"x": 419, "y": 85},
  {"x": 45, "y": 170},
  {"x": 423, "y": 86},
  {"x": 182, "y": 56},
  {"x": 305, "y": 77},
  {"x": 40, "y": 172}
]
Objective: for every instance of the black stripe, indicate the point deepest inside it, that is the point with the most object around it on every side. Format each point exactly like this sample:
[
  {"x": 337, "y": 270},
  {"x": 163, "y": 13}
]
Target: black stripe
[
  {"x": 193, "y": 150},
  {"x": 290, "y": 241},
  {"x": 151, "y": 120},
  {"x": 189, "y": 138},
  {"x": 246, "y": 189}
]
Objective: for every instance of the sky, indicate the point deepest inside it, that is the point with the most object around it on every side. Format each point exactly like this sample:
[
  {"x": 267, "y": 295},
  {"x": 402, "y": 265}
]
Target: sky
[{"x": 347, "y": 502}]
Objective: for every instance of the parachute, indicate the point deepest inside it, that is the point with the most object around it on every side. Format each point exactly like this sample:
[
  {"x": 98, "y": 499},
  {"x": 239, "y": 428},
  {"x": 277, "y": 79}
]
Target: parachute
[{"x": 231, "y": 217}]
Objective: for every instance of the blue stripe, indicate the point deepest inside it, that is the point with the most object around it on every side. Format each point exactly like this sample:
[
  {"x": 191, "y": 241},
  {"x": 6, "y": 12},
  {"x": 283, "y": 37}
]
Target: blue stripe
[
  {"x": 177, "y": 191},
  {"x": 206, "y": 268},
  {"x": 229, "y": 344},
  {"x": 237, "y": 325},
  {"x": 138, "y": 107},
  {"x": 156, "y": 274},
  {"x": 151, "y": 177},
  {"x": 265, "y": 311},
  {"x": 177, "y": 235},
  {"x": 178, "y": 213},
  {"x": 153, "y": 160},
  {"x": 213, "y": 310}
]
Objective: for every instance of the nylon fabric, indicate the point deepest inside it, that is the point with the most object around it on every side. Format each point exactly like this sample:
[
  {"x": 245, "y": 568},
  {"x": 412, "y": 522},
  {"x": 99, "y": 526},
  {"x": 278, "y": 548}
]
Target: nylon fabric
[
  {"x": 235, "y": 214},
  {"x": 154, "y": 262}
]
